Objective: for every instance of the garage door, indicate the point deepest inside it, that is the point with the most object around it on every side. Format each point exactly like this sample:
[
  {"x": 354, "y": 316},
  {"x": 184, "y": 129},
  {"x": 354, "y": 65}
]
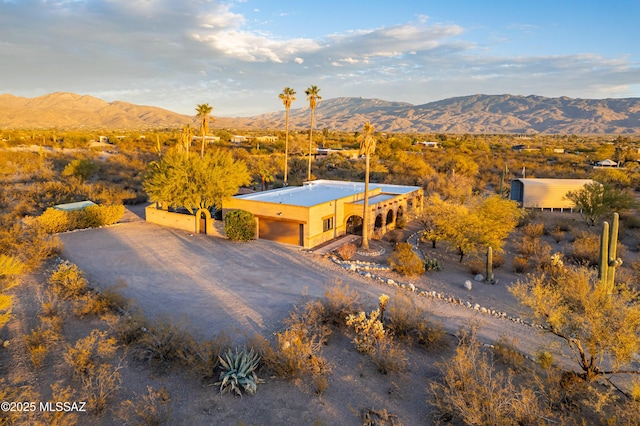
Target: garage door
[{"x": 283, "y": 231}]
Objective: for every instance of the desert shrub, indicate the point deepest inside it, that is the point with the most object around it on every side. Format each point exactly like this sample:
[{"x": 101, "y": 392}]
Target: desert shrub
[
  {"x": 80, "y": 168},
  {"x": 432, "y": 265},
  {"x": 388, "y": 356},
  {"x": 339, "y": 302},
  {"x": 100, "y": 215},
  {"x": 506, "y": 352},
  {"x": 153, "y": 408},
  {"x": 476, "y": 266},
  {"x": 521, "y": 265},
  {"x": 545, "y": 359},
  {"x": 100, "y": 302},
  {"x": 100, "y": 387},
  {"x": 68, "y": 281},
  {"x": 38, "y": 343},
  {"x": 401, "y": 222},
  {"x": 346, "y": 251},
  {"x": 533, "y": 230},
  {"x": 586, "y": 248},
  {"x": 471, "y": 391},
  {"x": 89, "y": 352},
  {"x": 408, "y": 321},
  {"x": 371, "y": 417},
  {"x": 53, "y": 221},
  {"x": 164, "y": 344},
  {"x": 405, "y": 261},
  {"x": 238, "y": 371},
  {"x": 129, "y": 327},
  {"x": 557, "y": 234},
  {"x": 529, "y": 247},
  {"x": 240, "y": 225},
  {"x": 395, "y": 236},
  {"x": 498, "y": 260}
]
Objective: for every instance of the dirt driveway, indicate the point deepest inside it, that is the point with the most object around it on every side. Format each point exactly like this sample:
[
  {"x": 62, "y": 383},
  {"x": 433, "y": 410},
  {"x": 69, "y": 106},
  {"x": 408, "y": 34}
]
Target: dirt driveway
[{"x": 212, "y": 283}]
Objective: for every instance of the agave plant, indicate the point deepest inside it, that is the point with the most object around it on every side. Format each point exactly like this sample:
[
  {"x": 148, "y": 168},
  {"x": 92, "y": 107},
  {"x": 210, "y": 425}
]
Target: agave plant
[{"x": 239, "y": 371}]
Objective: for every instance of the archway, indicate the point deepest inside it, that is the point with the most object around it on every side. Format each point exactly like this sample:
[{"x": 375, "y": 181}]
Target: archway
[
  {"x": 389, "y": 220},
  {"x": 400, "y": 213},
  {"x": 203, "y": 217},
  {"x": 354, "y": 225},
  {"x": 378, "y": 224}
]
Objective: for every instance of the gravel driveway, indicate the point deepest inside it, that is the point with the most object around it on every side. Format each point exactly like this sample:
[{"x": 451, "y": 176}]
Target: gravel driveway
[{"x": 214, "y": 284}]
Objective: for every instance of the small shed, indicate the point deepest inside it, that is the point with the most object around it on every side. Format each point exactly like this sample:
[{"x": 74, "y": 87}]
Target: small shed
[
  {"x": 80, "y": 205},
  {"x": 551, "y": 194}
]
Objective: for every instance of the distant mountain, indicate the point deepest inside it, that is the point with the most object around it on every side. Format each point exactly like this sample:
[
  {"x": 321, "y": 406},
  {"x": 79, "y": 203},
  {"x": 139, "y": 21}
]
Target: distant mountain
[
  {"x": 467, "y": 114},
  {"x": 69, "y": 110}
]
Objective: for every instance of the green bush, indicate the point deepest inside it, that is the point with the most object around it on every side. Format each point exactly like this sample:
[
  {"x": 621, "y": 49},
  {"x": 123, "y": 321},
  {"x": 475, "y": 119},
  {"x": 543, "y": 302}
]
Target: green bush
[
  {"x": 240, "y": 225},
  {"x": 405, "y": 261},
  {"x": 68, "y": 281},
  {"x": 53, "y": 221}
]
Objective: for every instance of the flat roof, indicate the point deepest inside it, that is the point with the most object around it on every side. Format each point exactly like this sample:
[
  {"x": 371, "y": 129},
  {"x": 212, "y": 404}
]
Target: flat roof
[
  {"x": 322, "y": 191},
  {"x": 74, "y": 206},
  {"x": 547, "y": 182}
]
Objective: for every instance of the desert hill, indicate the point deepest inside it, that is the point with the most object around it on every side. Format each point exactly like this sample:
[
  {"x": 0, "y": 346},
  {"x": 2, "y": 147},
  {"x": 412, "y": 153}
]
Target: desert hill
[
  {"x": 467, "y": 114},
  {"x": 70, "y": 110}
]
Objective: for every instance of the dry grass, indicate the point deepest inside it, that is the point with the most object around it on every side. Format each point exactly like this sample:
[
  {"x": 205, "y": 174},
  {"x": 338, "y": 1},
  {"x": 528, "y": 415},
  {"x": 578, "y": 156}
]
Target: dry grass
[
  {"x": 409, "y": 321},
  {"x": 151, "y": 409},
  {"x": 339, "y": 302}
]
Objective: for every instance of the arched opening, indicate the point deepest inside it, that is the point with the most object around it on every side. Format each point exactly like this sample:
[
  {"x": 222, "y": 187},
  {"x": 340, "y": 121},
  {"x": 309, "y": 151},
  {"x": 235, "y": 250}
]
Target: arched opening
[
  {"x": 203, "y": 217},
  {"x": 400, "y": 213},
  {"x": 378, "y": 224},
  {"x": 354, "y": 225},
  {"x": 389, "y": 217}
]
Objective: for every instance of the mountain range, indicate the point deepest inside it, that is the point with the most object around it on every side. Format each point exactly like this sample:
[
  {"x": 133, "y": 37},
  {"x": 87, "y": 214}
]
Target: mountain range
[{"x": 467, "y": 114}]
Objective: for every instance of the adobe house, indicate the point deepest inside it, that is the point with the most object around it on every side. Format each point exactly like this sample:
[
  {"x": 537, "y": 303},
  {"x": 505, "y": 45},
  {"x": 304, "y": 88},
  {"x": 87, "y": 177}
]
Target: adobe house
[
  {"x": 322, "y": 210},
  {"x": 545, "y": 193}
]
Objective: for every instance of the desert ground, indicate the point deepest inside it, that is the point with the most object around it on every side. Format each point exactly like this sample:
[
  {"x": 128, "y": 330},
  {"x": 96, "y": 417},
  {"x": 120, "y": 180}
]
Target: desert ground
[{"x": 212, "y": 285}]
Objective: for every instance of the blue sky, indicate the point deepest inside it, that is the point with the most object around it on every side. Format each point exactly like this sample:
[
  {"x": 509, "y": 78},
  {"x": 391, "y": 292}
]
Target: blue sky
[{"x": 239, "y": 55}]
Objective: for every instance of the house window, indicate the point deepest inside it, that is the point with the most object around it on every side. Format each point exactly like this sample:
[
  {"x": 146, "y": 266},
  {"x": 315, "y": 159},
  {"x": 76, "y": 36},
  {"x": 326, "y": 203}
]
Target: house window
[{"x": 327, "y": 224}]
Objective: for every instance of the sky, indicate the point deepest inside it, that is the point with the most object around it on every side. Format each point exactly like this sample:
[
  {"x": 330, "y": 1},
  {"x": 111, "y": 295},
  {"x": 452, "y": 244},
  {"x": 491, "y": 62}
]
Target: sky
[{"x": 238, "y": 55}]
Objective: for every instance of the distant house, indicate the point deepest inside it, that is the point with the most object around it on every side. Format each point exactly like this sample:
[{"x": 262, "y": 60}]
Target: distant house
[
  {"x": 207, "y": 138},
  {"x": 428, "y": 144},
  {"x": 349, "y": 153},
  {"x": 240, "y": 139},
  {"x": 551, "y": 194},
  {"x": 322, "y": 210},
  {"x": 524, "y": 148},
  {"x": 267, "y": 139},
  {"x": 104, "y": 139},
  {"x": 606, "y": 163},
  {"x": 558, "y": 150}
]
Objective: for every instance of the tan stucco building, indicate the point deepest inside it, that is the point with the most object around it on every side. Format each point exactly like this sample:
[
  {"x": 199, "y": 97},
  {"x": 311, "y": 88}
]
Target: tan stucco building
[{"x": 322, "y": 210}]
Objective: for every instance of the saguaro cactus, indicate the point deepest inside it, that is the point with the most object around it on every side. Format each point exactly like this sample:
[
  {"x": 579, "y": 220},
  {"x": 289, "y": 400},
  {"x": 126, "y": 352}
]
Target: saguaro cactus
[
  {"x": 608, "y": 251},
  {"x": 490, "y": 265}
]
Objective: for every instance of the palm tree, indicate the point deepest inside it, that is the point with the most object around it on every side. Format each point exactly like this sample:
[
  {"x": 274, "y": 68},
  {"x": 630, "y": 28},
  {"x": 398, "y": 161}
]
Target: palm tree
[
  {"x": 313, "y": 97},
  {"x": 203, "y": 111},
  {"x": 367, "y": 148},
  {"x": 287, "y": 97}
]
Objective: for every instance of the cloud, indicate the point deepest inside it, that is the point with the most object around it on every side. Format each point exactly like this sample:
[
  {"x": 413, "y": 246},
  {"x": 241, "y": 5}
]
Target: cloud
[{"x": 178, "y": 54}]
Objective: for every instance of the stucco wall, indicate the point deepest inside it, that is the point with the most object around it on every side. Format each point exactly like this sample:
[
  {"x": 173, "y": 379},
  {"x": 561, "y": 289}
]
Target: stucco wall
[{"x": 181, "y": 221}]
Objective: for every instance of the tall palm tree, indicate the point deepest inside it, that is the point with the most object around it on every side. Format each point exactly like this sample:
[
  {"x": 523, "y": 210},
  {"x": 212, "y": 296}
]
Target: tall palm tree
[
  {"x": 287, "y": 97},
  {"x": 313, "y": 97},
  {"x": 202, "y": 112},
  {"x": 367, "y": 148}
]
